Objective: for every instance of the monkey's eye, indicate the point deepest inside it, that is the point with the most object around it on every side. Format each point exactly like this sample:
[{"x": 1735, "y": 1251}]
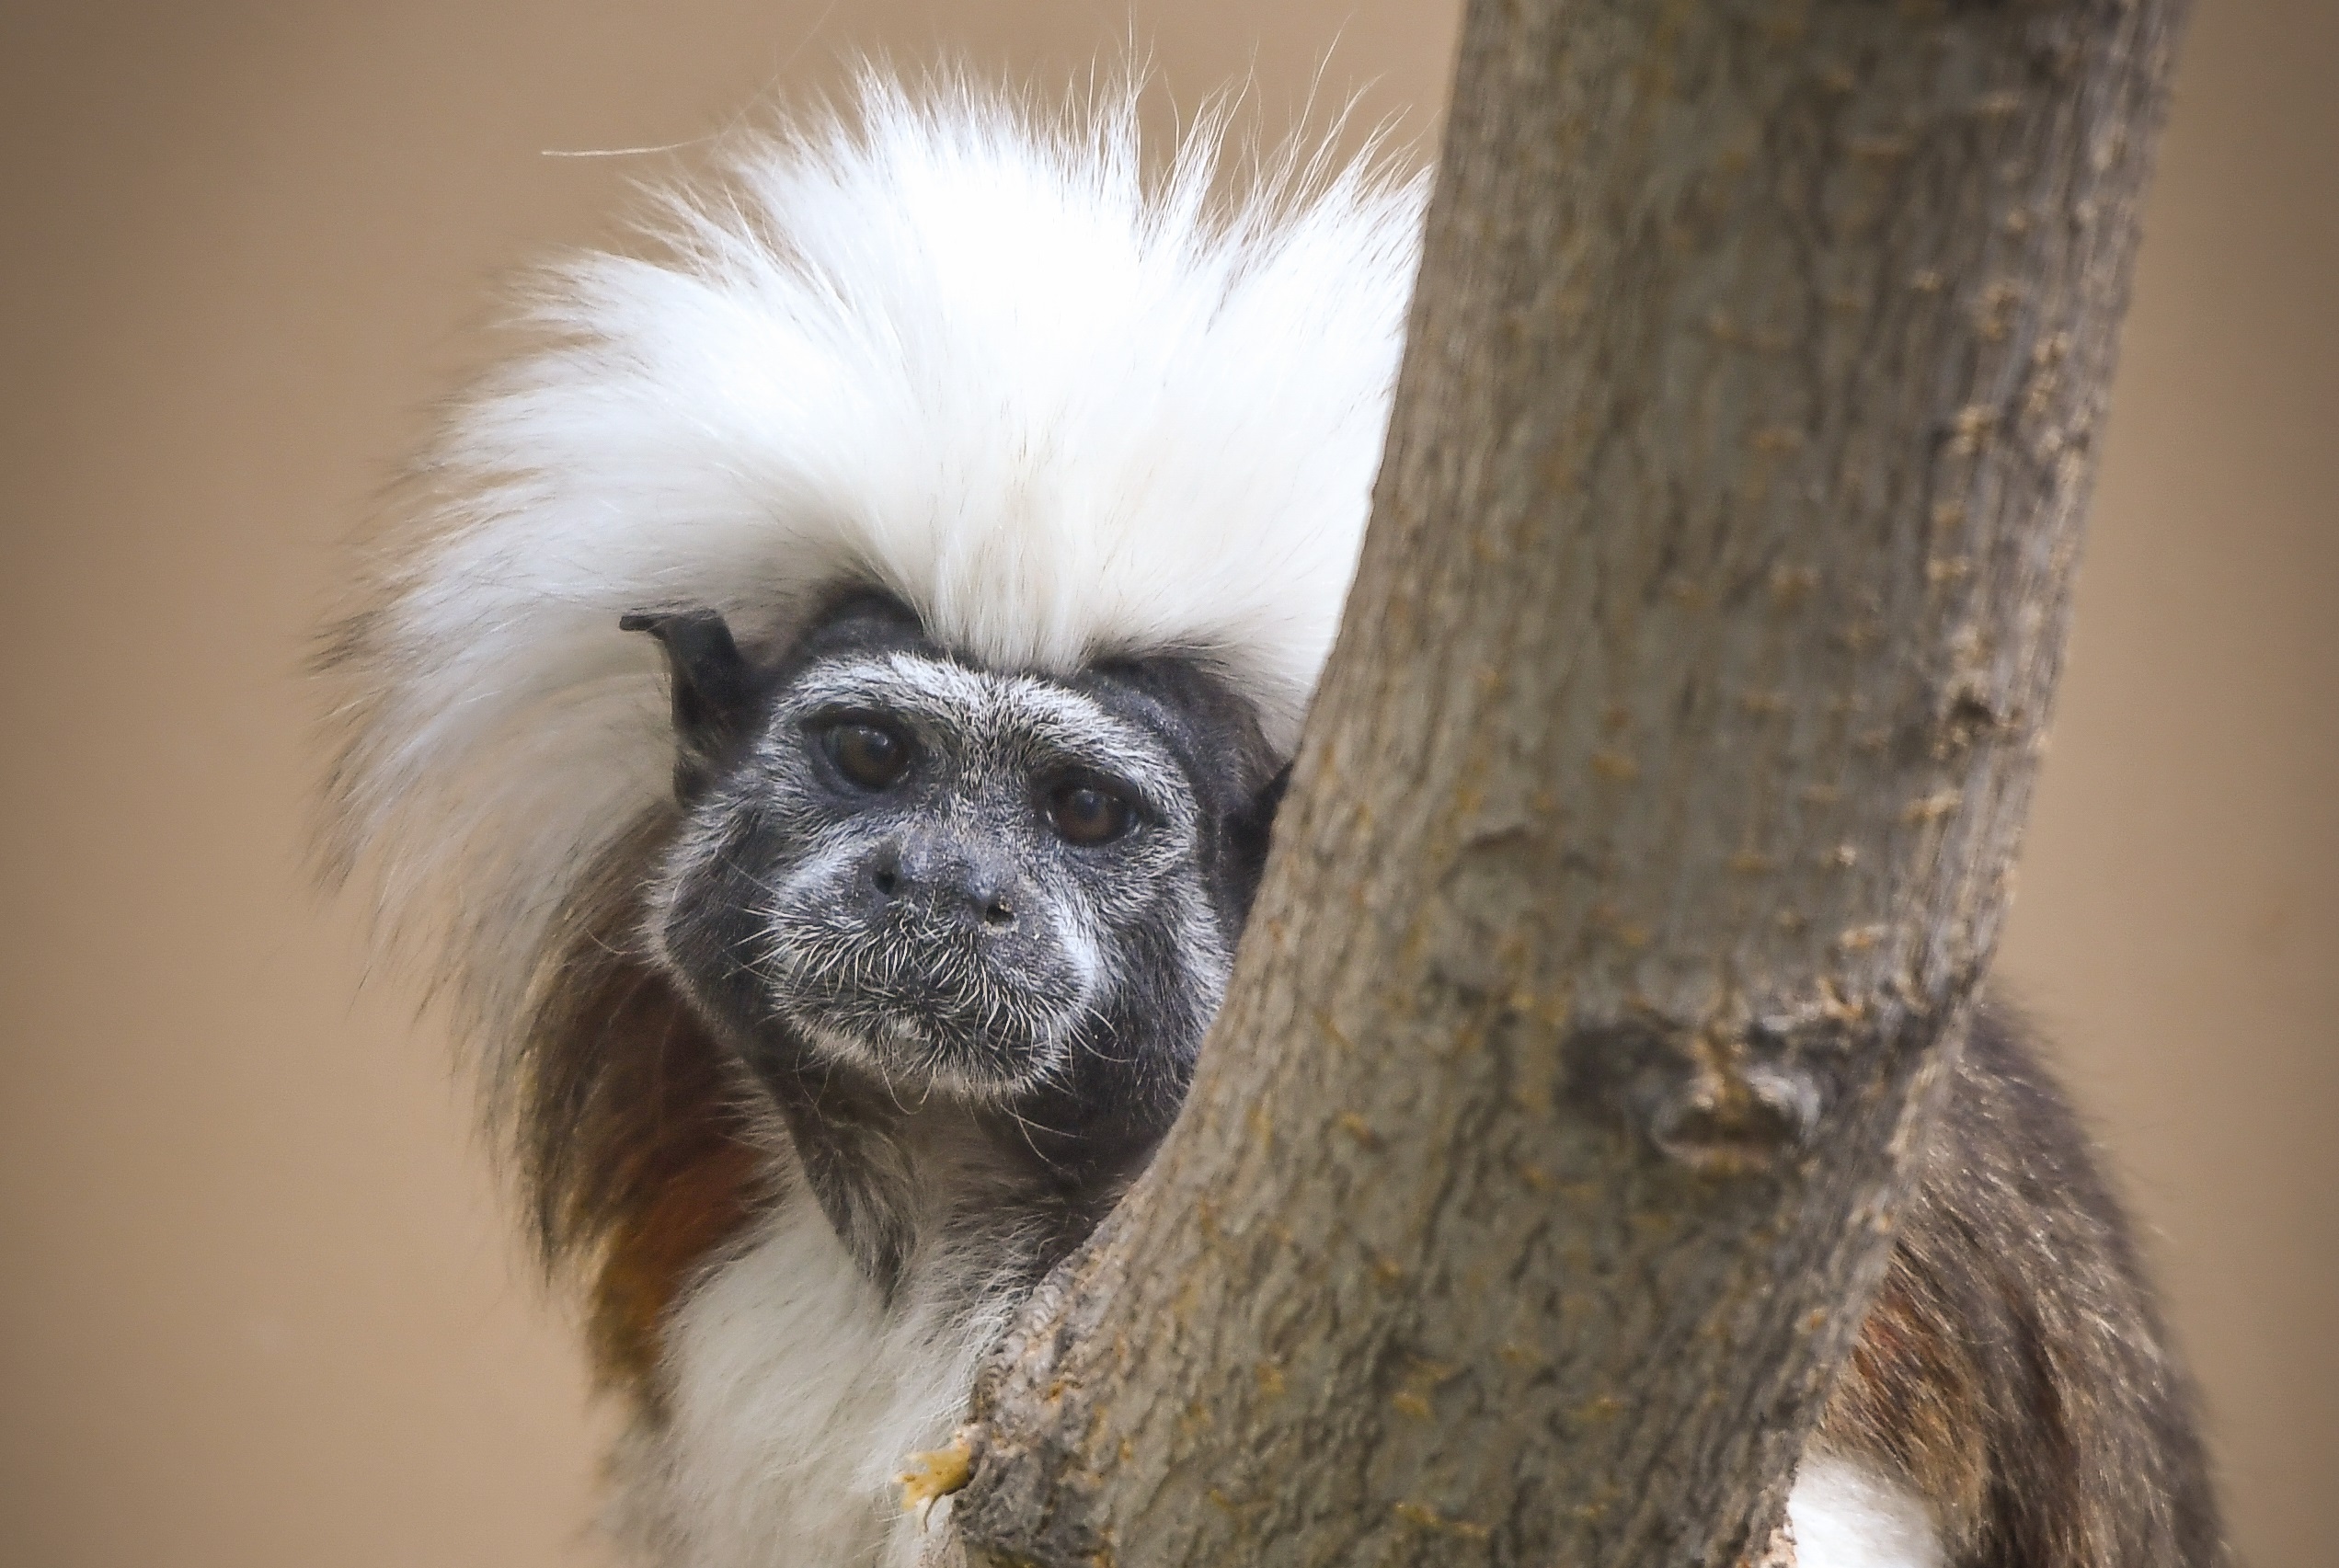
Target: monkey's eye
[
  {"x": 1088, "y": 814},
  {"x": 872, "y": 755}
]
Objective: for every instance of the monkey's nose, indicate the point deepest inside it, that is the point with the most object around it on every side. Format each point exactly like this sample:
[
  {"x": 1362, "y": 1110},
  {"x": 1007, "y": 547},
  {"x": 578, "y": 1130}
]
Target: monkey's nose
[
  {"x": 981, "y": 898},
  {"x": 966, "y": 888}
]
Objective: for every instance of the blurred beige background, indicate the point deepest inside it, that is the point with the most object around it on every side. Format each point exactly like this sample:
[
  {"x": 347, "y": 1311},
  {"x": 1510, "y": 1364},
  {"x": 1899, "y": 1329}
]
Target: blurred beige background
[{"x": 258, "y": 1308}]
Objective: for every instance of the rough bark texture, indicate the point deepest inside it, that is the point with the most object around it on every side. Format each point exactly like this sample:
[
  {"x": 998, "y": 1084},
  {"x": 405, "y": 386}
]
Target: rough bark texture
[{"x": 1654, "y": 820}]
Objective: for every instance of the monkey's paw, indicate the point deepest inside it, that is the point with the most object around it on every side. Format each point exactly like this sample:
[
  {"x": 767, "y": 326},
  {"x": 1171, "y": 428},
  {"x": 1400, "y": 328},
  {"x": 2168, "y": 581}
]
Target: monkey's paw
[{"x": 936, "y": 1474}]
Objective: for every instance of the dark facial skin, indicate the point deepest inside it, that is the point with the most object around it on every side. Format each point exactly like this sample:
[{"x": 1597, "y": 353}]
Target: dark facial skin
[{"x": 954, "y": 917}]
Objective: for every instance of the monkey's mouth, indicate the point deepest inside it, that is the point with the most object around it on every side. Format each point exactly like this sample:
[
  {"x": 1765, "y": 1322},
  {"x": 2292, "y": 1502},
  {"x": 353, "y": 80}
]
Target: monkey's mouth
[{"x": 973, "y": 1027}]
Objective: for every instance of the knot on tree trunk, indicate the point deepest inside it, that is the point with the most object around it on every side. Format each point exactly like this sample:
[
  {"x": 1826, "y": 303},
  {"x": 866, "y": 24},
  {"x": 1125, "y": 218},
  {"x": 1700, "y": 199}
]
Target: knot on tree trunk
[{"x": 1723, "y": 1097}]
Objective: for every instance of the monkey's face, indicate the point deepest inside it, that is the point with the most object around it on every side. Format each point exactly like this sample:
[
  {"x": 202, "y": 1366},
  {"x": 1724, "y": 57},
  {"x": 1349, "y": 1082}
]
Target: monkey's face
[{"x": 948, "y": 878}]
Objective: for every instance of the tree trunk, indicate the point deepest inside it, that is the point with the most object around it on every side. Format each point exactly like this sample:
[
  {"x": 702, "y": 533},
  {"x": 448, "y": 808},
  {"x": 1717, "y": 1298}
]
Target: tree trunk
[{"x": 1656, "y": 818}]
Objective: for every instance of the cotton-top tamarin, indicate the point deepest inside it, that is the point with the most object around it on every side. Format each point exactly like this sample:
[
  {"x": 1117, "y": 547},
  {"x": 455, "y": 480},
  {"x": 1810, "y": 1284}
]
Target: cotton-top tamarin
[{"x": 829, "y": 700}]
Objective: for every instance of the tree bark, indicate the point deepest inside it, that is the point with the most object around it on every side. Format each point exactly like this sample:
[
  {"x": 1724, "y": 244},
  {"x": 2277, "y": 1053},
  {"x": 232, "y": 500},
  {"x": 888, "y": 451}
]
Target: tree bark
[{"x": 1655, "y": 821}]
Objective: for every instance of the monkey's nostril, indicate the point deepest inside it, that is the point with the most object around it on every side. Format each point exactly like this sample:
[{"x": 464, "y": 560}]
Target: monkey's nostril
[
  {"x": 885, "y": 882},
  {"x": 997, "y": 913}
]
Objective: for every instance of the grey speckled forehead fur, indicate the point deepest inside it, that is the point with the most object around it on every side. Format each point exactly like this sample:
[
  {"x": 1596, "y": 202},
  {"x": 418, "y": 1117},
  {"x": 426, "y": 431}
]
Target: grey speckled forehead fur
[{"x": 982, "y": 716}]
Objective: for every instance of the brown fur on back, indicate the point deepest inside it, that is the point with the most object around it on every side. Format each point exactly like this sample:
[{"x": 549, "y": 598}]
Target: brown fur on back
[
  {"x": 2013, "y": 1365},
  {"x": 632, "y": 1133}
]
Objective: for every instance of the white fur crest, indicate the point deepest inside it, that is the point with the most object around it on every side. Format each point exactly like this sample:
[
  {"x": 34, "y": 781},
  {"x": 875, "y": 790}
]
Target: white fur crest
[{"x": 954, "y": 347}]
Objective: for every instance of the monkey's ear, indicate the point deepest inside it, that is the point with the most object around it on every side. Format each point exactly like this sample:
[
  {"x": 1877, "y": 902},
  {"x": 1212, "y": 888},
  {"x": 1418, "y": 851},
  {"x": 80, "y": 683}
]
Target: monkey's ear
[{"x": 713, "y": 689}]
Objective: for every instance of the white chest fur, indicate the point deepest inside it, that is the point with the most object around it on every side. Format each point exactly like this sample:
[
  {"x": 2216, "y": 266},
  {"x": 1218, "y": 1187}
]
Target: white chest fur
[
  {"x": 796, "y": 1398},
  {"x": 1848, "y": 1515}
]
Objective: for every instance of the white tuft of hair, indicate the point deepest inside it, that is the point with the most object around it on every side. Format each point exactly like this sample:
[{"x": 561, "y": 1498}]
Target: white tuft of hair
[
  {"x": 1846, "y": 1513},
  {"x": 1063, "y": 404}
]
